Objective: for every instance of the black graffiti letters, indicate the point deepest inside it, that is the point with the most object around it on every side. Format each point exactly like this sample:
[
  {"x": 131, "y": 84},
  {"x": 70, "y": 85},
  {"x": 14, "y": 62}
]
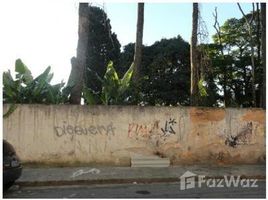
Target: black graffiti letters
[
  {"x": 67, "y": 129},
  {"x": 169, "y": 127}
]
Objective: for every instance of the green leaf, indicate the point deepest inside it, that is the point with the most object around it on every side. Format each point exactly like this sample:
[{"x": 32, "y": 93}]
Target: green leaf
[
  {"x": 41, "y": 82},
  {"x": 10, "y": 87},
  {"x": 7, "y": 78},
  {"x": 49, "y": 77},
  {"x": 111, "y": 74},
  {"x": 124, "y": 83},
  {"x": 202, "y": 88},
  {"x": 54, "y": 93},
  {"x": 11, "y": 109},
  {"x": 111, "y": 84},
  {"x": 90, "y": 97},
  {"x": 45, "y": 75},
  {"x": 23, "y": 72}
]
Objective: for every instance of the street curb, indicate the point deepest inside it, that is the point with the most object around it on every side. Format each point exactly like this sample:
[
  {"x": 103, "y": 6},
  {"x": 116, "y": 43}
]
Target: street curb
[{"x": 118, "y": 181}]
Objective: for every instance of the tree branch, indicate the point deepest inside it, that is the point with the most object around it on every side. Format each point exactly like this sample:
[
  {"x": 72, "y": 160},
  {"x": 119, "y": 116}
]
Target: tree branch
[{"x": 217, "y": 28}]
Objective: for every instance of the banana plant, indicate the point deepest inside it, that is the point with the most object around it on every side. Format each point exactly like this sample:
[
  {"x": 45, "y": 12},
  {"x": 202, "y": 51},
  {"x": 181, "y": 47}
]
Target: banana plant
[
  {"x": 113, "y": 88},
  {"x": 26, "y": 89}
]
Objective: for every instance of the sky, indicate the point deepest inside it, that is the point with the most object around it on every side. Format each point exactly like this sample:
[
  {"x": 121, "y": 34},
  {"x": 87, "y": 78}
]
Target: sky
[{"x": 45, "y": 33}]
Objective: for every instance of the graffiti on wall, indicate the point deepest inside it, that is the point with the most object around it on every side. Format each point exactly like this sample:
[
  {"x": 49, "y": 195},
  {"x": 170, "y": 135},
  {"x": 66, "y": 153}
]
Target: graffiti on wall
[
  {"x": 155, "y": 132},
  {"x": 143, "y": 130},
  {"x": 169, "y": 129},
  {"x": 243, "y": 137},
  {"x": 67, "y": 129}
]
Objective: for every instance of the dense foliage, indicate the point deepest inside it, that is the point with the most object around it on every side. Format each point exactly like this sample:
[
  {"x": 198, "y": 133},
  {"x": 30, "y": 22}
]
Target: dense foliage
[
  {"x": 26, "y": 89},
  {"x": 225, "y": 70},
  {"x": 231, "y": 63},
  {"x": 165, "y": 70},
  {"x": 103, "y": 47}
]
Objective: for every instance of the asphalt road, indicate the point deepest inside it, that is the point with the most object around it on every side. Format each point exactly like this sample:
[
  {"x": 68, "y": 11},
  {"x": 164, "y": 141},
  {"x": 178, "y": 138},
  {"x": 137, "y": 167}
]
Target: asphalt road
[{"x": 155, "y": 190}]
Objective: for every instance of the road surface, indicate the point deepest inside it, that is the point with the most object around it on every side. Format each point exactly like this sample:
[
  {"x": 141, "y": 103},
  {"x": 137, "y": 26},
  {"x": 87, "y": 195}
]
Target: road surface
[{"x": 154, "y": 190}]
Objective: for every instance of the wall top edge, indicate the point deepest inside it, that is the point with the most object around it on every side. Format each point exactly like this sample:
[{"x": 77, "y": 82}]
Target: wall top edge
[{"x": 133, "y": 106}]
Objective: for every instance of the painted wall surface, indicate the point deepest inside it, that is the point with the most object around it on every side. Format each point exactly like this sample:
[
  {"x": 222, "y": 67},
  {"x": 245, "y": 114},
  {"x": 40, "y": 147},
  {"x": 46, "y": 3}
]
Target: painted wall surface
[{"x": 70, "y": 134}]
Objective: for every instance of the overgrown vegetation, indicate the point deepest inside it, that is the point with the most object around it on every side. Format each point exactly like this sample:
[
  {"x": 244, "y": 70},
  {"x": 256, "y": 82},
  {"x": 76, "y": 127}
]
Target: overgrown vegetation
[
  {"x": 225, "y": 73},
  {"x": 25, "y": 89},
  {"x": 103, "y": 47},
  {"x": 114, "y": 89}
]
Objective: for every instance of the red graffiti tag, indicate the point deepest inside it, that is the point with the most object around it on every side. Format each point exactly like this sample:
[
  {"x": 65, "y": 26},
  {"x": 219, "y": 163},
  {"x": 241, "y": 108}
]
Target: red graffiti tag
[{"x": 142, "y": 130}]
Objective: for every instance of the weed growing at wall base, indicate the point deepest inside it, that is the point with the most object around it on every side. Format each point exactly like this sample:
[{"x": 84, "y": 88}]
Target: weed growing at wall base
[{"x": 190, "y": 180}]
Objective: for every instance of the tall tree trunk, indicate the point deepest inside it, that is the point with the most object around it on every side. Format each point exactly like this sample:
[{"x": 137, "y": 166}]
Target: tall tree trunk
[
  {"x": 259, "y": 103},
  {"x": 251, "y": 42},
  {"x": 258, "y": 34},
  {"x": 263, "y": 52},
  {"x": 138, "y": 45},
  {"x": 76, "y": 78},
  {"x": 194, "y": 57},
  {"x": 217, "y": 28},
  {"x": 253, "y": 71}
]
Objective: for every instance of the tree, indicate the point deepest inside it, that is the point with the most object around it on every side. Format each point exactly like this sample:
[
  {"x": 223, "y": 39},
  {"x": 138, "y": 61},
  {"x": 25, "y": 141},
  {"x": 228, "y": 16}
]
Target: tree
[
  {"x": 218, "y": 40},
  {"x": 103, "y": 47},
  {"x": 166, "y": 72},
  {"x": 138, "y": 44},
  {"x": 263, "y": 48},
  {"x": 249, "y": 26},
  {"x": 258, "y": 61},
  {"x": 207, "y": 85},
  {"x": 126, "y": 59},
  {"x": 194, "y": 57},
  {"x": 76, "y": 78},
  {"x": 166, "y": 64},
  {"x": 232, "y": 61}
]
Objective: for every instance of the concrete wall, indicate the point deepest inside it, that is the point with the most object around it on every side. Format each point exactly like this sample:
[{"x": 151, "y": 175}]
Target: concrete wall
[{"x": 69, "y": 134}]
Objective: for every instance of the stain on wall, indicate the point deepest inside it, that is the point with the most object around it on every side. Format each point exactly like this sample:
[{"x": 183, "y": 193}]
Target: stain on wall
[
  {"x": 204, "y": 115},
  {"x": 257, "y": 115}
]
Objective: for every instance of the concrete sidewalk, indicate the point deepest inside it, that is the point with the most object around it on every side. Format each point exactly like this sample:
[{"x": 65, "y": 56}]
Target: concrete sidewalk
[{"x": 104, "y": 175}]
